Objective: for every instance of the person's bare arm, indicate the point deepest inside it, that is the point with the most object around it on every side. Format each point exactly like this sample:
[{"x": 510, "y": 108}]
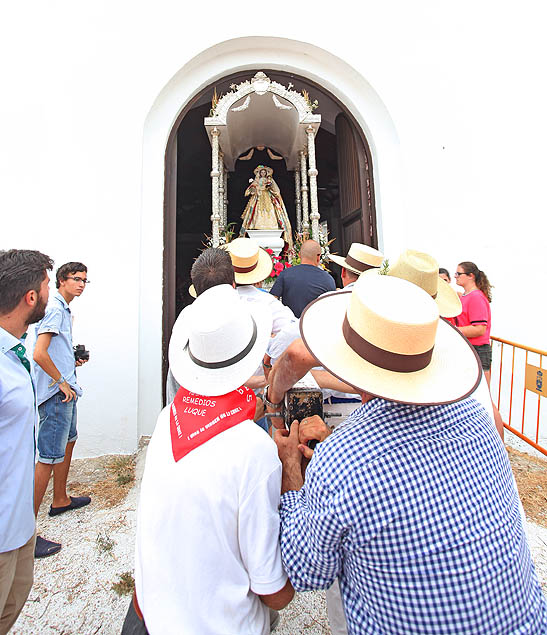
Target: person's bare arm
[
  {"x": 291, "y": 366},
  {"x": 256, "y": 381},
  {"x": 279, "y": 599},
  {"x": 267, "y": 365},
  {"x": 290, "y": 457},
  {"x": 42, "y": 358},
  {"x": 259, "y": 409},
  {"x": 326, "y": 380},
  {"x": 473, "y": 330}
]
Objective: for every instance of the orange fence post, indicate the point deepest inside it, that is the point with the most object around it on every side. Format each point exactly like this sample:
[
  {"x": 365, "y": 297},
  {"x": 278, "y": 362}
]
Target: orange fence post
[
  {"x": 524, "y": 395},
  {"x": 534, "y": 442},
  {"x": 539, "y": 404}
]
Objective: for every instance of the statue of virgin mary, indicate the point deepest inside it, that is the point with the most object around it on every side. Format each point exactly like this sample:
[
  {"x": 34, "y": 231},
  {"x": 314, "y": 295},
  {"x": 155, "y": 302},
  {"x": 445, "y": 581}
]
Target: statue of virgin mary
[{"x": 265, "y": 208}]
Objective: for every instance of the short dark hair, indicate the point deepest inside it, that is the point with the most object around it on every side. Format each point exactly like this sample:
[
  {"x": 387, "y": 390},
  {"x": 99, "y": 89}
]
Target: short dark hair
[
  {"x": 212, "y": 267},
  {"x": 65, "y": 270},
  {"x": 351, "y": 274},
  {"x": 445, "y": 271},
  {"x": 21, "y": 270}
]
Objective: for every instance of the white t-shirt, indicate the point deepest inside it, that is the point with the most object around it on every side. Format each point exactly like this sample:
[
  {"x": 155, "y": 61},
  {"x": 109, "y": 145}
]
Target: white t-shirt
[
  {"x": 281, "y": 314},
  {"x": 208, "y": 533}
]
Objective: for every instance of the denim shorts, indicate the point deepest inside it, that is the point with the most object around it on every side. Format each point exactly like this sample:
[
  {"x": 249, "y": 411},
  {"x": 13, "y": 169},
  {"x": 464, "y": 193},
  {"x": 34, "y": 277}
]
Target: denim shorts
[{"x": 57, "y": 427}]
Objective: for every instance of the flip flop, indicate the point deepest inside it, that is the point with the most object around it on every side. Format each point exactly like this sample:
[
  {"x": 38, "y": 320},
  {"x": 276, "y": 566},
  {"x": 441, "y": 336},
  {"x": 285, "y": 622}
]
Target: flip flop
[
  {"x": 45, "y": 547},
  {"x": 75, "y": 503}
]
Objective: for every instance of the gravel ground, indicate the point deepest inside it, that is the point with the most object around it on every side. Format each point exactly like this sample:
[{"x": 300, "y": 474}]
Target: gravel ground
[{"x": 72, "y": 592}]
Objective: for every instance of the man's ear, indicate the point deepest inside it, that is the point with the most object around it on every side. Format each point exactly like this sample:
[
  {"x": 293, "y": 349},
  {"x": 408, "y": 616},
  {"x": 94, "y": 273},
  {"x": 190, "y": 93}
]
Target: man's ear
[{"x": 31, "y": 297}]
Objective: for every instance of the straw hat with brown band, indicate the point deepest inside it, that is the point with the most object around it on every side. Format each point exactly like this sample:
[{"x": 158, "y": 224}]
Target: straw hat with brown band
[
  {"x": 423, "y": 270},
  {"x": 360, "y": 258},
  {"x": 251, "y": 263},
  {"x": 385, "y": 338}
]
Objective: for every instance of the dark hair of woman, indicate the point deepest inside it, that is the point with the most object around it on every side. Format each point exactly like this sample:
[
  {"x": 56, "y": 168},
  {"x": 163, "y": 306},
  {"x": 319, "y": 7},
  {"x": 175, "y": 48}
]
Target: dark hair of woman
[
  {"x": 445, "y": 271},
  {"x": 482, "y": 282}
]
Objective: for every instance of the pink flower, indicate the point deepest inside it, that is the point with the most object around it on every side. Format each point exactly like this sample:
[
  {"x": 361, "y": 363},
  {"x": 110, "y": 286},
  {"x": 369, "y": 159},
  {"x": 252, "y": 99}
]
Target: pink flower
[
  {"x": 270, "y": 251},
  {"x": 287, "y": 265},
  {"x": 278, "y": 267}
]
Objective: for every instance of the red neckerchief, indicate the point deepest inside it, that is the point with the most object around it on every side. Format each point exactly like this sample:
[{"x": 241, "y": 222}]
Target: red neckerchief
[{"x": 195, "y": 419}]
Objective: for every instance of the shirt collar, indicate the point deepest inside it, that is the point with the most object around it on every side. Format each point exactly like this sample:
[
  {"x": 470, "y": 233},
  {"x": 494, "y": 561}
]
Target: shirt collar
[
  {"x": 59, "y": 297},
  {"x": 7, "y": 341}
]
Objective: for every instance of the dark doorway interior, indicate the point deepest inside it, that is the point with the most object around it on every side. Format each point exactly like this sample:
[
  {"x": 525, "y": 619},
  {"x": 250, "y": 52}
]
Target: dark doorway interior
[
  {"x": 188, "y": 200},
  {"x": 193, "y": 199}
]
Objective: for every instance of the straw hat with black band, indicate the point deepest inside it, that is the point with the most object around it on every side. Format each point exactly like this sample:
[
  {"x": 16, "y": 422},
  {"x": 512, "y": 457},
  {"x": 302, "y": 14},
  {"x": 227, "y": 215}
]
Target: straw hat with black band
[
  {"x": 218, "y": 341},
  {"x": 423, "y": 270},
  {"x": 385, "y": 338},
  {"x": 360, "y": 258},
  {"x": 251, "y": 263}
]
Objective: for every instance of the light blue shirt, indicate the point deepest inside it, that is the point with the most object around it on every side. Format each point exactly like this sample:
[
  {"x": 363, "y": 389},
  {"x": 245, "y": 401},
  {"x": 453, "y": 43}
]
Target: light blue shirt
[
  {"x": 17, "y": 424},
  {"x": 57, "y": 320}
]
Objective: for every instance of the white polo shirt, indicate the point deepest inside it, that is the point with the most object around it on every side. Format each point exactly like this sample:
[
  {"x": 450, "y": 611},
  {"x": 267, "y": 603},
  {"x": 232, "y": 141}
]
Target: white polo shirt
[
  {"x": 208, "y": 533},
  {"x": 281, "y": 314}
]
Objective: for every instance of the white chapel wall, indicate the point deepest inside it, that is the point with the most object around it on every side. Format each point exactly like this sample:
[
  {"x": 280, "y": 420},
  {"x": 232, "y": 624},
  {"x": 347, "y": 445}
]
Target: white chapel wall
[{"x": 451, "y": 98}]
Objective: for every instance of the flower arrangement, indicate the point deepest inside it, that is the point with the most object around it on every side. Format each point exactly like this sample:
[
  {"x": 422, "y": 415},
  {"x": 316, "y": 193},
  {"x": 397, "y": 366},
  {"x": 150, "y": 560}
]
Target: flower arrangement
[
  {"x": 225, "y": 236},
  {"x": 280, "y": 263}
]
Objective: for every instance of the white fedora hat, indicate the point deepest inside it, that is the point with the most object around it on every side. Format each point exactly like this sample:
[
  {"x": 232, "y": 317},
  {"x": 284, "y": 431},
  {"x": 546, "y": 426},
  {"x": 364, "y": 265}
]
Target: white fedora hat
[
  {"x": 251, "y": 263},
  {"x": 386, "y": 338},
  {"x": 218, "y": 341},
  {"x": 360, "y": 258},
  {"x": 423, "y": 270}
]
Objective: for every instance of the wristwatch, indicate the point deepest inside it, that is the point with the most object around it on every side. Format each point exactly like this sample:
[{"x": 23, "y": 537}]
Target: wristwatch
[{"x": 270, "y": 404}]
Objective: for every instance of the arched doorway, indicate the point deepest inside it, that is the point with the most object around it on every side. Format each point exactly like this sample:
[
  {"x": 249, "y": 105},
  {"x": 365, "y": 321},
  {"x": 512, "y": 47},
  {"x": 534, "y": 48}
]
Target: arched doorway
[
  {"x": 344, "y": 182},
  {"x": 176, "y": 98}
]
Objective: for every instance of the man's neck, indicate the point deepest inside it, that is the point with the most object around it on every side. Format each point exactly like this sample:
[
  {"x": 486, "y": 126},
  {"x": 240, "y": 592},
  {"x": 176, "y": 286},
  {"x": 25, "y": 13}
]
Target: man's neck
[
  {"x": 308, "y": 262},
  {"x": 14, "y": 324},
  {"x": 68, "y": 297}
]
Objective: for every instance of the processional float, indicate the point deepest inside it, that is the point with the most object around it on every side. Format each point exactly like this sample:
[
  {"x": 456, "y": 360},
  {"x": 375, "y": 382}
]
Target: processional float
[{"x": 260, "y": 113}]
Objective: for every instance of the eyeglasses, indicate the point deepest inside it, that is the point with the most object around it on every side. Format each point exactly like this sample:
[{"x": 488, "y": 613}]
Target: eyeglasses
[
  {"x": 78, "y": 279},
  {"x": 460, "y": 273}
]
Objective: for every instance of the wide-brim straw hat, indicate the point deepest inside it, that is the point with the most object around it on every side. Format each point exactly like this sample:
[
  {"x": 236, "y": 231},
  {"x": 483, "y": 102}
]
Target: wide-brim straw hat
[
  {"x": 251, "y": 263},
  {"x": 218, "y": 341},
  {"x": 423, "y": 270},
  {"x": 385, "y": 338},
  {"x": 360, "y": 258}
]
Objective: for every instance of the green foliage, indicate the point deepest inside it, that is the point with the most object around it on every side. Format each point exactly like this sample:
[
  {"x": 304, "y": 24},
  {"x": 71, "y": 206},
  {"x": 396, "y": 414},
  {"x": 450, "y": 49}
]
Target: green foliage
[{"x": 384, "y": 269}]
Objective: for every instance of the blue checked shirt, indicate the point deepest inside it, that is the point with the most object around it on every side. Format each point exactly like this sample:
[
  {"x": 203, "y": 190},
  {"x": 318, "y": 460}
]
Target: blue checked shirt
[{"x": 415, "y": 509}]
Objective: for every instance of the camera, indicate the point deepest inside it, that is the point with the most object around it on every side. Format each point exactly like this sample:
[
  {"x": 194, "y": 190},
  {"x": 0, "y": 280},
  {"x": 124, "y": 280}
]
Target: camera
[{"x": 80, "y": 353}]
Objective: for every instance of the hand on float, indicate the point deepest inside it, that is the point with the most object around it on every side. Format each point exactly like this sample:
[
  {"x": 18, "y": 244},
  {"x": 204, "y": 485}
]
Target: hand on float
[
  {"x": 313, "y": 428},
  {"x": 290, "y": 457}
]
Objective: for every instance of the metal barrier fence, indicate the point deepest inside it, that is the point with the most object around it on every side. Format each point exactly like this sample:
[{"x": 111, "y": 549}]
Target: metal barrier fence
[{"x": 521, "y": 381}]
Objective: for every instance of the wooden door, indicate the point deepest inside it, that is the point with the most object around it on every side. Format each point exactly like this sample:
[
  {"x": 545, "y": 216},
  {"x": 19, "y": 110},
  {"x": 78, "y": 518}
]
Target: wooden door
[{"x": 355, "y": 186}]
